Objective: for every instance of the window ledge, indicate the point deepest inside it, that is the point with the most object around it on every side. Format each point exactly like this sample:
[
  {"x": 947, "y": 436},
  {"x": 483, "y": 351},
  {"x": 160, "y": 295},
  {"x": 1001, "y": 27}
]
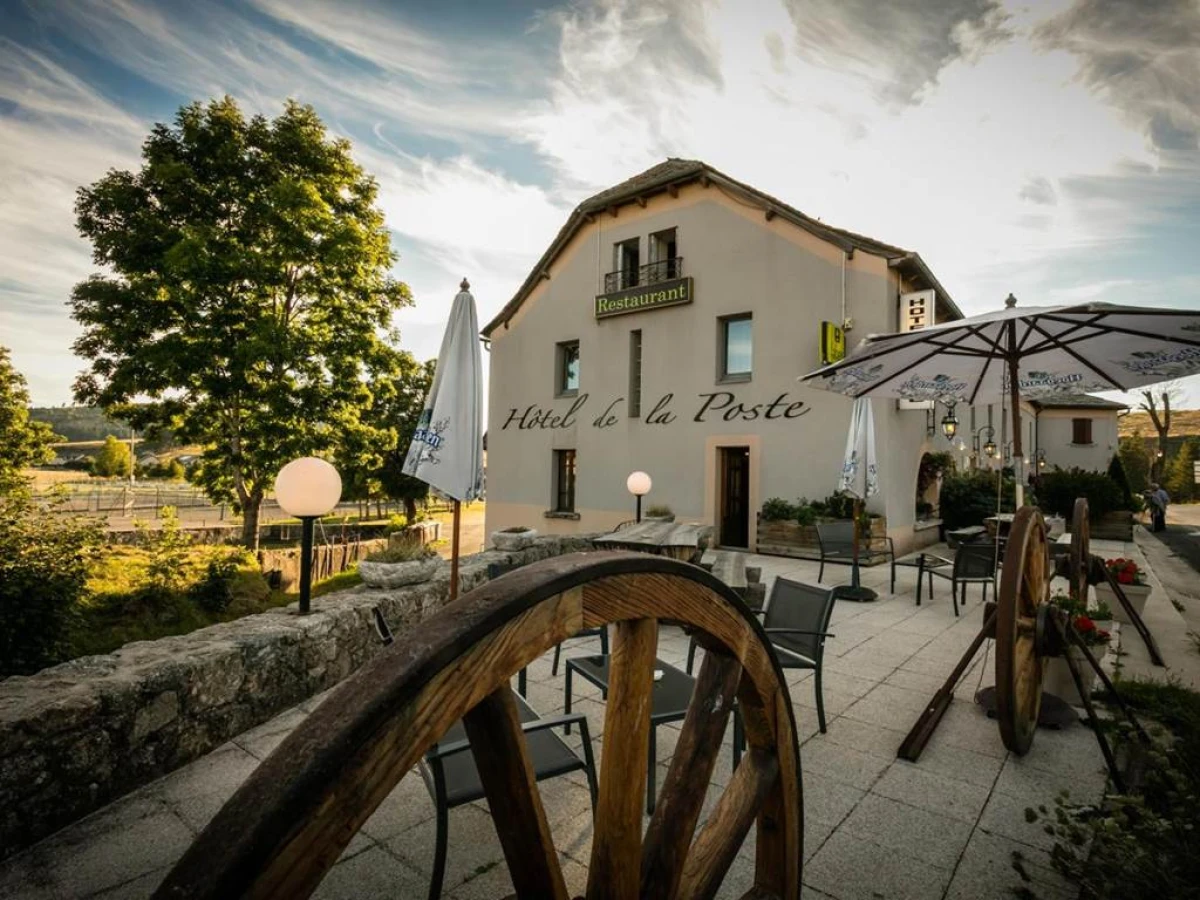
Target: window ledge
[
  {"x": 571, "y": 393},
  {"x": 1092, "y": 444},
  {"x": 560, "y": 514},
  {"x": 734, "y": 379}
]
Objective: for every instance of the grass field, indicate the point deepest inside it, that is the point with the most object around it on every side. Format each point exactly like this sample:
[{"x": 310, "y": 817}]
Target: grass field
[{"x": 1183, "y": 422}]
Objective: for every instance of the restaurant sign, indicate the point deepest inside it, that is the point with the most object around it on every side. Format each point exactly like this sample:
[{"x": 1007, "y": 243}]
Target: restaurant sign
[{"x": 646, "y": 296}]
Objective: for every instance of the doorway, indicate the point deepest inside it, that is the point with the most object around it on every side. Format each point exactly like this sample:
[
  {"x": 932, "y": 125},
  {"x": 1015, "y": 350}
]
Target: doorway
[{"x": 734, "y": 504}]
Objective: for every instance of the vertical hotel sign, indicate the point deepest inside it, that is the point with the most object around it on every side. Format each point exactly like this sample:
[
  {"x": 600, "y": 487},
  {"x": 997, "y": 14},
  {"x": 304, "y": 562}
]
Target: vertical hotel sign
[{"x": 916, "y": 313}]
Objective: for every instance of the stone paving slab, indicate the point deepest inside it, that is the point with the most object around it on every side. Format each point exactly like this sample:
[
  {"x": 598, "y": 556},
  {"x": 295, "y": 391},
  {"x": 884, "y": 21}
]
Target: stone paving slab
[{"x": 875, "y": 826}]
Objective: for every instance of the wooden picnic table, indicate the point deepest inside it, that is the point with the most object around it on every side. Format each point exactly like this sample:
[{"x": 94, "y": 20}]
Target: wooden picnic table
[{"x": 678, "y": 541}]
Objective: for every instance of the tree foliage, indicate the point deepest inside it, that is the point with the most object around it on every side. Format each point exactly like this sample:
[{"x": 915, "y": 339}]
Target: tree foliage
[
  {"x": 247, "y": 295},
  {"x": 114, "y": 459},
  {"x": 43, "y": 579},
  {"x": 1135, "y": 462},
  {"x": 23, "y": 442},
  {"x": 1179, "y": 478}
]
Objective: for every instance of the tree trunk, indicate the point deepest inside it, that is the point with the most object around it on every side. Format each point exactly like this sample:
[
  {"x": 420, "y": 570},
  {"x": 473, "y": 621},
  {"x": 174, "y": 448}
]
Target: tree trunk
[
  {"x": 410, "y": 509},
  {"x": 251, "y": 509}
]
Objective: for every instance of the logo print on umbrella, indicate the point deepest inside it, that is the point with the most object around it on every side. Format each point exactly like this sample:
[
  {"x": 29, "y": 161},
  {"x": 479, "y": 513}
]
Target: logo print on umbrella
[
  {"x": 856, "y": 376},
  {"x": 1163, "y": 363},
  {"x": 430, "y": 436},
  {"x": 920, "y": 388}
]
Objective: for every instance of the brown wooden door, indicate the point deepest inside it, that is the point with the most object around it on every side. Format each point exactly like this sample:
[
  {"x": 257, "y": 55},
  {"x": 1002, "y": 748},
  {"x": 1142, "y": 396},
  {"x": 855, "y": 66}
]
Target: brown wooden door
[{"x": 735, "y": 497}]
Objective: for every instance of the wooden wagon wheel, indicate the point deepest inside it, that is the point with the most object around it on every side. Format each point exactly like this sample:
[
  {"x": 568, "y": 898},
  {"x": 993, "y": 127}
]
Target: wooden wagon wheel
[
  {"x": 288, "y": 824},
  {"x": 1081, "y": 557},
  {"x": 1024, "y": 587}
]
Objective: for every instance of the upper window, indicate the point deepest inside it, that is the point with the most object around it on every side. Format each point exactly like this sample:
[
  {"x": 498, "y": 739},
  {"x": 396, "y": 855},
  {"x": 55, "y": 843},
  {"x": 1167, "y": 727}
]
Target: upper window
[
  {"x": 1081, "y": 431},
  {"x": 736, "y": 349},
  {"x": 566, "y": 368},
  {"x": 664, "y": 257},
  {"x": 627, "y": 262}
]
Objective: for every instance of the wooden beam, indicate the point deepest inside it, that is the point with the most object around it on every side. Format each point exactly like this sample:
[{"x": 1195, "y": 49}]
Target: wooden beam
[
  {"x": 613, "y": 211},
  {"x": 616, "y": 864},
  {"x": 544, "y": 274},
  {"x": 673, "y": 190},
  {"x": 641, "y": 201},
  {"x": 770, "y": 214},
  {"x": 502, "y": 758},
  {"x": 704, "y": 181}
]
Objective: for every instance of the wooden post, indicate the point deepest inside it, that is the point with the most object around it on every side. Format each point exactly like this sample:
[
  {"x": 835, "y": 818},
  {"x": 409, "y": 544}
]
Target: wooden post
[{"x": 454, "y": 554}]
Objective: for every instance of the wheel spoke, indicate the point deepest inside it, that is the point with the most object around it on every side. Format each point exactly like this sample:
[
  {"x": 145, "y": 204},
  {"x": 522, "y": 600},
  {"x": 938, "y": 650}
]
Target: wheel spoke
[
  {"x": 502, "y": 758},
  {"x": 616, "y": 861},
  {"x": 678, "y": 807},
  {"x": 717, "y": 844}
]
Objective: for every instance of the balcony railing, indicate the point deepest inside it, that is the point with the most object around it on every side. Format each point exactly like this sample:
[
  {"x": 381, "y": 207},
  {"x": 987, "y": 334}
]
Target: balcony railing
[{"x": 663, "y": 270}]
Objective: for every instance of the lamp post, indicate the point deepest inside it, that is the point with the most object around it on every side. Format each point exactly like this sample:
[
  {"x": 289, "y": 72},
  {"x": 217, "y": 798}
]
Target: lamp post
[
  {"x": 989, "y": 447},
  {"x": 307, "y": 488},
  {"x": 639, "y": 484}
]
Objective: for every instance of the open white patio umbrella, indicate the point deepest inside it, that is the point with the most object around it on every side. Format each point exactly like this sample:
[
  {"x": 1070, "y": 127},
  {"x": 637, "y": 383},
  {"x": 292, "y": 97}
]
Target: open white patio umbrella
[
  {"x": 860, "y": 476},
  {"x": 447, "y": 447},
  {"x": 1022, "y": 353}
]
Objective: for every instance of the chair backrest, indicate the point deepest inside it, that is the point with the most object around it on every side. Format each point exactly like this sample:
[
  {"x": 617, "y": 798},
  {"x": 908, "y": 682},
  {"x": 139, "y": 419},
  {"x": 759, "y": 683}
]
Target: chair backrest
[
  {"x": 835, "y": 536},
  {"x": 975, "y": 561},
  {"x": 794, "y": 604}
]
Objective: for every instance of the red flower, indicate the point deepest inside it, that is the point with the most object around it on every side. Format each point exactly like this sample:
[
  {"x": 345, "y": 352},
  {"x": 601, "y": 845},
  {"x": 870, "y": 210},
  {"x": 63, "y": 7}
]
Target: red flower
[{"x": 1084, "y": 624}]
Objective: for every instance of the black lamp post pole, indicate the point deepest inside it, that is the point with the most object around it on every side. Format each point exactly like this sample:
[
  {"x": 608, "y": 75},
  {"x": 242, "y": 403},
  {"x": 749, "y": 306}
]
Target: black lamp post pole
[
  {"x": 306, "y": 546},
  {"x": 639, "y": 507}
]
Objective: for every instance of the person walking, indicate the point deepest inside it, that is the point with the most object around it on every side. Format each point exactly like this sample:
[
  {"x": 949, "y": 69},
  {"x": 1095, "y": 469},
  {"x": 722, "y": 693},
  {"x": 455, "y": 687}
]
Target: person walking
[{"x": 1158, "y": 507}]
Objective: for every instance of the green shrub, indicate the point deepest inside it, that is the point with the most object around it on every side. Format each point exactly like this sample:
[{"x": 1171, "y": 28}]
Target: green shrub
[
  {"x": 396, "y": 522},
  {"x": 1179, "y": 478},
  {"x": 660, "y": 511},
  {"x": 967, "y": 498},
  {"x": 778, "y": 510},
  {"x": 1057, "y": 491},
  {"x": 1144, "y": 843},
  {"x": 43, "y": 580},
  {"x": 838, "y": 506},
  {"x": 1116, "y": 471},
  {"x": 806, "y": 515},
  {"x": 1135, "y": 461},
  {"x": 214, "y": 591}
]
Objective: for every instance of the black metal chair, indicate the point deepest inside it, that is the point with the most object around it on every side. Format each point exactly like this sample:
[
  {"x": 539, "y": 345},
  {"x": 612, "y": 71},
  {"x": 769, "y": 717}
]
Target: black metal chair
[
  {"x": 452, "y": 779},
  {"x": 601, "y": 633},
  {"x": 973, "y": 564},
  {"x": 796, "y": 621},
  {"x": 836, "y": 543}
]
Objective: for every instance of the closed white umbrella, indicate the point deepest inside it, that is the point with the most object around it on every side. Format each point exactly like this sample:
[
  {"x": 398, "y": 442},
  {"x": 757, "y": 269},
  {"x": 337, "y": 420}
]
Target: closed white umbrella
[
  {"x": 860, "y": 475},
  {"x": 447, "y": 447}
]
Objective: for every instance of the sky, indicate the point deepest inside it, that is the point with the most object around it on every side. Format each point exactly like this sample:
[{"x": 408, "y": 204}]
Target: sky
[{"x": 1047, "y": 149}]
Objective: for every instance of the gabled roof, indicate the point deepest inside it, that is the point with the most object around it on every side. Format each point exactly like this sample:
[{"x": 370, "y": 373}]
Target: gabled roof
[
  {"x": 1077, "y": 401},
  {"x": 672, "y": 174}
]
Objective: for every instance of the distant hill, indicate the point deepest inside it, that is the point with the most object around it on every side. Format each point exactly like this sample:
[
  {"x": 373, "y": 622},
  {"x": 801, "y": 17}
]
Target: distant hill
[
  {"x": 1183, "y": 422},
  {"x": 87, "y": 423}
]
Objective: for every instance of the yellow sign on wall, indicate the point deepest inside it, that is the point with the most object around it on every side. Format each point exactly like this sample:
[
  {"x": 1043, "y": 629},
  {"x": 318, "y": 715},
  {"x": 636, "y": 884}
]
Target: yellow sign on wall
[{"x": 833, "y": 343}]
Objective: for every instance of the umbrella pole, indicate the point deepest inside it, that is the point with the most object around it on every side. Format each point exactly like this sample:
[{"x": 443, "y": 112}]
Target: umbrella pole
[
  {"x": 1014, "y": 387},
  {"x": 454, "y": 552},
  {"x": 854, "y": 580}
]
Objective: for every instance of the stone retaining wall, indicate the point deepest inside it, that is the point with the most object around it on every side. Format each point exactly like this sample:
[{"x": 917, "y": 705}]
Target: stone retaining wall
[{"x": 77, "y": 736}]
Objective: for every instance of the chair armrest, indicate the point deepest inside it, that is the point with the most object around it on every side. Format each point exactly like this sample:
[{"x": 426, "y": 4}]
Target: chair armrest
[
  {"x": 799, "y": 631},
  {"x": 941, "y": 559}
]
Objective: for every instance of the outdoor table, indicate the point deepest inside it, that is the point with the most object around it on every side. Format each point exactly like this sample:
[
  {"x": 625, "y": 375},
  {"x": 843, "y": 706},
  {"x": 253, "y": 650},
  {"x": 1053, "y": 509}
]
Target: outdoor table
[
  {"x": 923, "y": 562},
  {"x": 672, "y": 696},
  {"x": 678, "y": 541},
  {"x": 999, "y": 524}
]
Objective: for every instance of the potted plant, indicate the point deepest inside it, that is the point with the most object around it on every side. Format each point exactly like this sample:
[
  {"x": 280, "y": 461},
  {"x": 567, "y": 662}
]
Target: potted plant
[
  {"x": 1132, "y": 579},
  {"x": 518, "y": 537},
  {"x": 1056, "y": 677},
  {"x": 400, "y": 565},
  {"x": 658, "y": 513}
]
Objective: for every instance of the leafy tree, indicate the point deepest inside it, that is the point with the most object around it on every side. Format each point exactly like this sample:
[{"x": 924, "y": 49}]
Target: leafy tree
[
  {"x": 1135, "y": 462},
  {"x": 114, "y": 458},
  {"x": 1116, "y": 471},
  {"x": 1180, "y": 479},
  {"x": 23, "y": 442},
  {"x": 249, "y": 293},
  {"x": 372, "y": 457},
  {"x": 43, "y": 580}
]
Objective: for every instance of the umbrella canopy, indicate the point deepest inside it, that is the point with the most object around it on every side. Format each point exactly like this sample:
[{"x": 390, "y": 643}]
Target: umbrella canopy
[
  {"x": 1015, "y": 353},
  {"x": 860, "y": 476},
  {"x": 447, "y": 447}
]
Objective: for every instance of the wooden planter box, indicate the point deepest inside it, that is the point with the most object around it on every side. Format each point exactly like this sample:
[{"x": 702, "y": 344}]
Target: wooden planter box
[
  {"x": 787, "y": 538},
  {"x": 1113, "y": 526}
]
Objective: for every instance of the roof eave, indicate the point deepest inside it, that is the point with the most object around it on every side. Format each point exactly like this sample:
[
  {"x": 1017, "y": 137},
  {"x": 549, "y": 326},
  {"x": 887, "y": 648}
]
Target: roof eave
[{"x": 918, "y": 265}]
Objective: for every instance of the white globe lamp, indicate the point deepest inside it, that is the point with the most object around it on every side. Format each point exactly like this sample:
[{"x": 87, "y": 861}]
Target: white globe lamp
[
  {"x": 307, "y": 488},
  {"x": 639, "y": 484}
]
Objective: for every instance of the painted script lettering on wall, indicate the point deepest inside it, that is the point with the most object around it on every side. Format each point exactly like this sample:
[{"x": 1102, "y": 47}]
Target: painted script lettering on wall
[
  {"x": 647, "y": 296},
  {"x": 711, "y": 407}
]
